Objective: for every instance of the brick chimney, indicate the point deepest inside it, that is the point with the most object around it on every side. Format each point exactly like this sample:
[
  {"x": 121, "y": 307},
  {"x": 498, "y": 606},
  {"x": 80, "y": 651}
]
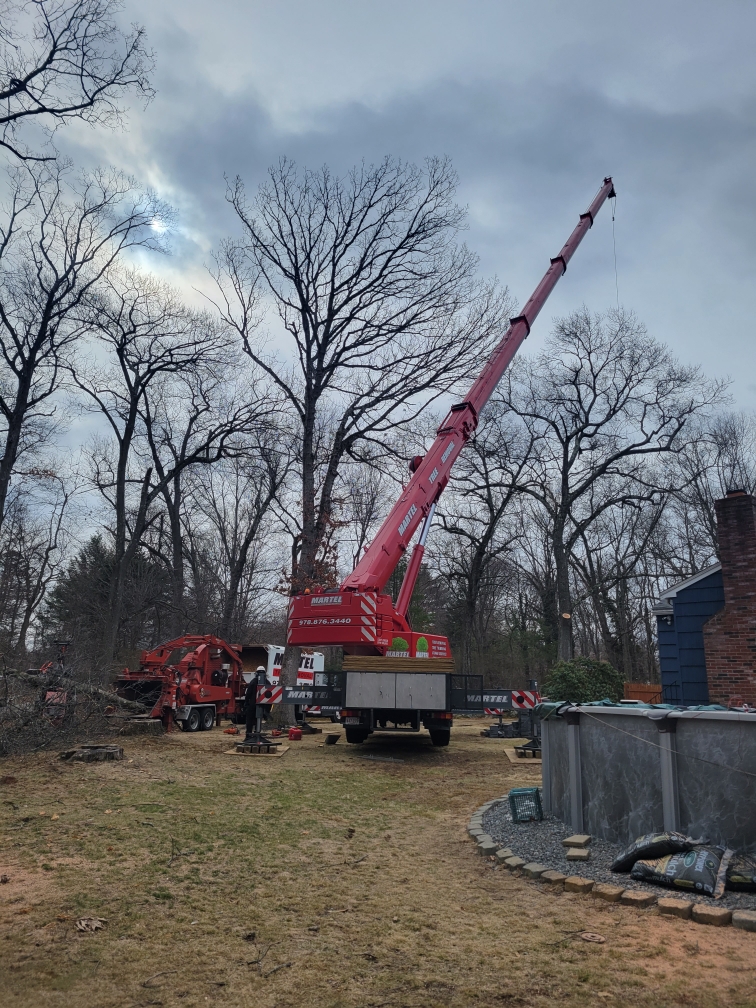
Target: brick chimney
[{"x": 730, "y": 635}]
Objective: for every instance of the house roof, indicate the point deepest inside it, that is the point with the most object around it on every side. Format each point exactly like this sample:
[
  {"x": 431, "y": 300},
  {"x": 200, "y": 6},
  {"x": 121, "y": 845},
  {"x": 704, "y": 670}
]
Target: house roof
[{"x": 671, "y": 592}]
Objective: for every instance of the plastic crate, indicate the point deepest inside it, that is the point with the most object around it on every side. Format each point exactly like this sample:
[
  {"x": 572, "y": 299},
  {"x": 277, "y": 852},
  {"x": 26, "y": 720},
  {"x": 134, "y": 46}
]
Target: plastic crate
[{"x": 525, "y": 804}]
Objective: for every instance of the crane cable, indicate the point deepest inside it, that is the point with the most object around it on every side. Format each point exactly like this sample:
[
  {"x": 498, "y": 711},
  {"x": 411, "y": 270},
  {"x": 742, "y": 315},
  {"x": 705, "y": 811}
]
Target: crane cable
[{"x": 614, "y": 243}]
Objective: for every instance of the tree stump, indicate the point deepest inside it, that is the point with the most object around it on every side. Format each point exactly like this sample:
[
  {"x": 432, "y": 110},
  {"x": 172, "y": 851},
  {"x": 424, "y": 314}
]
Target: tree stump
[
  {"x": 93, "y": 753},
  {"x": 143, "y": 726}
]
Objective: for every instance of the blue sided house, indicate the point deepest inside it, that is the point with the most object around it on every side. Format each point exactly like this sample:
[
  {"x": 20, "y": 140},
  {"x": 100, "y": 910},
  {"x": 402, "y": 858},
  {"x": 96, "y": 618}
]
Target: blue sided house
[{"x": 680, "y": 617}]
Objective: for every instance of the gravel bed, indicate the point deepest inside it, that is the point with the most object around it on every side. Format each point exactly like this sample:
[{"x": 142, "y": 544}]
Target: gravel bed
[{"x": 542, "y": 842}]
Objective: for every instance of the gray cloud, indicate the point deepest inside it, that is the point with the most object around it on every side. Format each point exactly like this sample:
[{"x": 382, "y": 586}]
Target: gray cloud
[{"x": 534, "y": 102}]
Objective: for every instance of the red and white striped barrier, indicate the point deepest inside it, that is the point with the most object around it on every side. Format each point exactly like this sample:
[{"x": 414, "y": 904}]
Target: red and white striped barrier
[
  {"x": 269, "y": 694},
  {"x": 525, "y": 699}
]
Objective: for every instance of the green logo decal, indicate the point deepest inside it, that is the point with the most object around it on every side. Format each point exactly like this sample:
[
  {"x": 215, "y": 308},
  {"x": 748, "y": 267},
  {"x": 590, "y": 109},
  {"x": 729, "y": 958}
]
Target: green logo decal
[
  {"x": 400, "y": 644},
  {"x": 422, "y": 644}
]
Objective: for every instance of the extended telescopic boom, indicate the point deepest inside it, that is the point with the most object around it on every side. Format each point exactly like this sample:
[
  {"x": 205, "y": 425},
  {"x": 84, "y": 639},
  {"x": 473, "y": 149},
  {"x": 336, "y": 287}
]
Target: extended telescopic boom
[{"x": 431, "y": 475}]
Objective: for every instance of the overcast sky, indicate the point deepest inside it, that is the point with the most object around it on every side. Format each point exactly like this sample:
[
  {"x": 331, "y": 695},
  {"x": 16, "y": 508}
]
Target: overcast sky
[{"x": 534, "y": 100}]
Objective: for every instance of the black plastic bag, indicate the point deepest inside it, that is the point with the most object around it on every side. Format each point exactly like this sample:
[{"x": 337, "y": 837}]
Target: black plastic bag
[
  {"x": 700, "y": 870},
  {"x": 652, "y": 845},
  {"x": 741, "y": 874}
]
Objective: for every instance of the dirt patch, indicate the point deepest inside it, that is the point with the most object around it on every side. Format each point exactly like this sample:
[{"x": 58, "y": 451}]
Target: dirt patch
[{"x": 318, "y": 879}]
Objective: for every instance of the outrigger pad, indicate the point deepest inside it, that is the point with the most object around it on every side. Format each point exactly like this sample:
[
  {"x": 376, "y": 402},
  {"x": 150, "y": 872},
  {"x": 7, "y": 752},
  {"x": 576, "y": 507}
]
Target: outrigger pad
[{"x": 266, "y": 749}]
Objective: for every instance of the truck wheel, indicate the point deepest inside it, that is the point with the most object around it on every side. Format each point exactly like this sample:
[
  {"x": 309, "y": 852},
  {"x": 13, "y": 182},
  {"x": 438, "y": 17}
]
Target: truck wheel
[
  {"x": 207, "y": 719},
  {"x": 440, "y": 736},
  {"x": 192, "y": 721},
  {"x": 355, "y": 734}
]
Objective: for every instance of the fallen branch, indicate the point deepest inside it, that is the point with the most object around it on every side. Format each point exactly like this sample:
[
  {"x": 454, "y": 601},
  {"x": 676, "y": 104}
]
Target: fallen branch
[
  {"x": 63, "y": 682},
  {"x": 275, "y": 970},
  {"x": 256, "y": 962},
  {"x": 146, "y": 983},
  {"x": 176, "y": 853}
]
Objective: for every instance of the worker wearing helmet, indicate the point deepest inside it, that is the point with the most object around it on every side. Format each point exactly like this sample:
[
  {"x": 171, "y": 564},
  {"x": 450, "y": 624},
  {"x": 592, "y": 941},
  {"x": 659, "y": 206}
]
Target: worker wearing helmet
[{"x": 250, "y": 702}]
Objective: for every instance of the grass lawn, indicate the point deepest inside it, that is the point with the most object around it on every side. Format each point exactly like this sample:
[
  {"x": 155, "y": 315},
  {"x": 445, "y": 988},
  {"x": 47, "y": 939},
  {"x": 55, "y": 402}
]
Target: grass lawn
[{"x": 317, "y": 878}]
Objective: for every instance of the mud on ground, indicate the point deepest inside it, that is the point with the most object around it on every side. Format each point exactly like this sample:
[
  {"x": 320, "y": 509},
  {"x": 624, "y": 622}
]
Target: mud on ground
[{"x": 319, "y": 878}]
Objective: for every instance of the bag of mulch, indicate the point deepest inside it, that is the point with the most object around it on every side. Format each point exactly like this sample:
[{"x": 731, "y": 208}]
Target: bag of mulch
[
  {"x": 741, "y": 874},
  {"x": 701, "y": 870},
  {"x": 650, "y": 846}
]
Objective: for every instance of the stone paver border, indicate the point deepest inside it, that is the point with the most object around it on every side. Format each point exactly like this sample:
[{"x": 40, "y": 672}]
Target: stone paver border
[{"x": 700, "y": 913}]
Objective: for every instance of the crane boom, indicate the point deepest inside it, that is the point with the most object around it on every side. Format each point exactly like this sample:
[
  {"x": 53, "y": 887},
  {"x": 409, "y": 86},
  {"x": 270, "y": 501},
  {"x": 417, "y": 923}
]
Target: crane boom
[
  {"x": 368, "y": 626},
  {"x": 431, "y": 476}
]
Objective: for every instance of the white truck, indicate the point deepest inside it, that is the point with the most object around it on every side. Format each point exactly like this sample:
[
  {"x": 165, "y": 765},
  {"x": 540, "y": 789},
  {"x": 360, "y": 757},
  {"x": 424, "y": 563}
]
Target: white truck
[{"x": 309, "y": 673}]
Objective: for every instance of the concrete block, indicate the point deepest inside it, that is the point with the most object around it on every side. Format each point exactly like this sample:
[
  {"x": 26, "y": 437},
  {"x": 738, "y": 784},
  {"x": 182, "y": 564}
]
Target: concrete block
[
  {"x": 675, "y": 908},
  {"x": 577, "y": 840},
  {"x": 477, "y": 832},
  {"x": 514, "y": 863},
  {"x": 578, "y": 854},
  {"x": 744, "y": 919},
  {"x": 637, "y": 898},
  {"x": 503, "y": 853},
  {"x": 533, "y": 870},
  {"x": 704, "y": 913},
  {"x": 609, "y": 893},
  {"x": 574, "y": 883},
  {"x": 486, "y": 847},
  {"x": 553, "y": 877}
]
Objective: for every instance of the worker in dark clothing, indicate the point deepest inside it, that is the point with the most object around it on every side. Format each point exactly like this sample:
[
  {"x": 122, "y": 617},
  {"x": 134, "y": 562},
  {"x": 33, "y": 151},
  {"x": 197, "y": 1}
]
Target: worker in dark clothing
[{"x": 250, "y": 703}]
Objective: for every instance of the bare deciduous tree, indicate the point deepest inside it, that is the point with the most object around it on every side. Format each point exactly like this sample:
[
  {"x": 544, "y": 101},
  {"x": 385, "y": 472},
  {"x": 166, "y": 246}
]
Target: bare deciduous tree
[
  {"x": 33, "y": 544},
  {"x": 720, "y": 457},
  {"x": 63, "y": 60},
  {"x": 57, "y": 242},
  {"x": 196, "y": 419},
  {"x": 381, "y": 307},
  {"x": 159, "y": 429},
  {"x": 601, "y": 400},
  {"x": 485, "y": 484},
  {"x": 613, "y": 562},
  {"x": 235, "y": 499}
]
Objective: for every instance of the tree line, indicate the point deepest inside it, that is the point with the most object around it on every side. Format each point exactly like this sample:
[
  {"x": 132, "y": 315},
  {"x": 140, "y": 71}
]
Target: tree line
[{"x": 166, "y": 468}]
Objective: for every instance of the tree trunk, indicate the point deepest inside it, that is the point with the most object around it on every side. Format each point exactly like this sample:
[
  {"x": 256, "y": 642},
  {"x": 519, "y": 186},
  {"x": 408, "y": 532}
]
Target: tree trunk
[
  {"x": 115, "y": 596},
  {"x": 284, "y": 713},
  {"x": 565, "y": 644},
  {"x": 173, "y": 506},
  {"x": 12, "y": 442},
  {"x": 123, "y": 558}
]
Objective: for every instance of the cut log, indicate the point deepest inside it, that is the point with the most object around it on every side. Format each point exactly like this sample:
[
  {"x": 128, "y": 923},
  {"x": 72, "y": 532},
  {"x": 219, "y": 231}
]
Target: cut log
[{"x": 377, "y": 663}]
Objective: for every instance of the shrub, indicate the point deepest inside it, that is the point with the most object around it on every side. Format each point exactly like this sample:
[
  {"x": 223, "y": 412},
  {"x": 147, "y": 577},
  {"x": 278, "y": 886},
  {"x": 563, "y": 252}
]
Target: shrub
[{"x": 582, "y": 680}]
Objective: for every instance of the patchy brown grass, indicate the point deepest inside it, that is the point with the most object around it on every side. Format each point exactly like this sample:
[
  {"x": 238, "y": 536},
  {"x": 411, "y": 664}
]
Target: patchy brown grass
[{"x": 234, "y": 881}]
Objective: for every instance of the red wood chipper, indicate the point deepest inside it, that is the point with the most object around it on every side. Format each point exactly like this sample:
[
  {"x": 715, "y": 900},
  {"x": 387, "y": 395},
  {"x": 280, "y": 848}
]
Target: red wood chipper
[{"x": 192, "y": 680}]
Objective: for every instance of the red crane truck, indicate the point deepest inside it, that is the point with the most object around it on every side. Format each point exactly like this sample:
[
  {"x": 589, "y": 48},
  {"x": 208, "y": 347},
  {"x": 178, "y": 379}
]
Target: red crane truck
[{"x": 394, "y": 678}]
